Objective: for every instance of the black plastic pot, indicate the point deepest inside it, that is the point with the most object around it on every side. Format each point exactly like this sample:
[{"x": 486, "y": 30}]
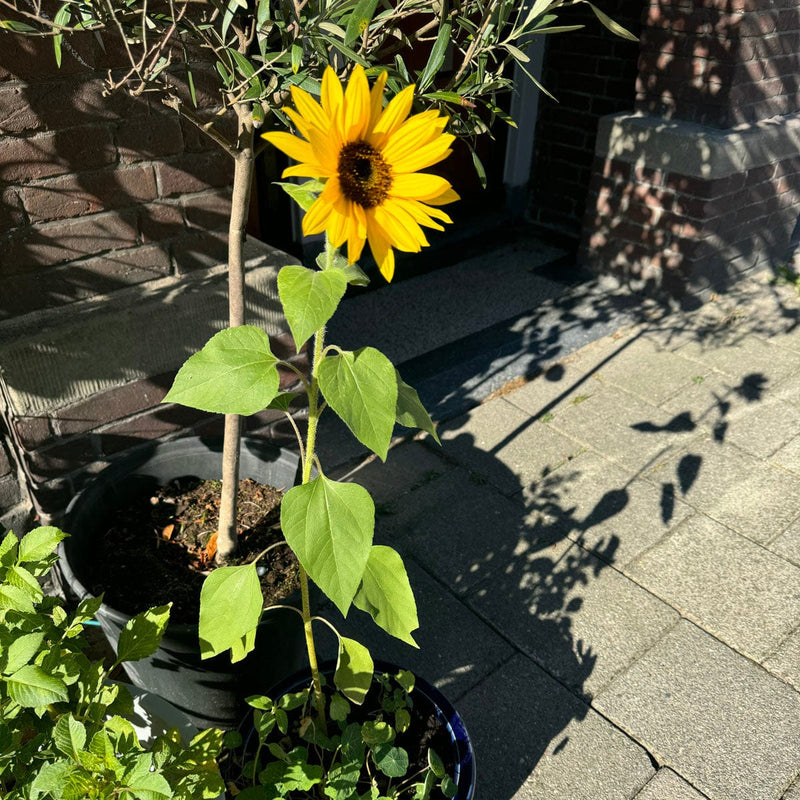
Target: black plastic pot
[
  {"x": 463, "y": 755},
  {"x": 210, "y": 691}
]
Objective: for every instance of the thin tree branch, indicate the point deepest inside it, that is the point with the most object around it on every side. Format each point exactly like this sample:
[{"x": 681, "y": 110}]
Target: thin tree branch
[{"x": 207, "y": 127}]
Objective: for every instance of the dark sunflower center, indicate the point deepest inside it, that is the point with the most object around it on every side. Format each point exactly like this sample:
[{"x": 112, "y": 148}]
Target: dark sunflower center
[{"x": 364, "y": 176}]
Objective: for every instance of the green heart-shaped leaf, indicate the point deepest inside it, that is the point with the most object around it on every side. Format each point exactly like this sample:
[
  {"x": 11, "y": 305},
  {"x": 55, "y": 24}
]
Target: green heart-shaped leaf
[
  {"x": 354, "y": 668},
  {"x": 142, "y": 634},
  {"x": 309, "y": 298},
  {"x": 410, "y": 413},
  {"x": 385, "y": 594},
  {"x": 234, "y": 373},
  {"x": 361, "y": 387},
  {"x": 329, "y": 526}
]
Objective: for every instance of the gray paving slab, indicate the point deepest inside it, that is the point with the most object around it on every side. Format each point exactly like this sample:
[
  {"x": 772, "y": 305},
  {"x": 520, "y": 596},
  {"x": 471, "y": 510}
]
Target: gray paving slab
[
  {"x": 787, "y": 544},
  {"x": 793, "y": 792},
  {"x": 573, "y": 614},
  {"x": 650, "y": 371},
  {"x": 598, "y": 503},
  {"x": 727, "y": 584},
  {"x": 666, "y": 785},
  {"x": 506, "y": 445},
  {"x": 462, "y": 530},
  {"x": 749, "y": 495},
  {"x": 789, "y": 389},
  {"x": 785, "y": 662},
  {"x": 764, "y": 428},
  {"x": 743, "y": 356},
  {"x": 624, "y": 428},
  {"x": 456, "y": 649},
  {"x": 408, "y": 465},
  {"x": 537, "y": 741},
  {"x": 788, "y": 456},
  {"x": 715, "y": 717}
]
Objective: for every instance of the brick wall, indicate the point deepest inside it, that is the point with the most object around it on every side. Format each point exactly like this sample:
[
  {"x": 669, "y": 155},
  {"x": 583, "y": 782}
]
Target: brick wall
[
  {"x": 720, "y": 63},
  {"x": 98, "y": 193},
  {"x": 703, "y": 184},
  {"x": 591, "y": 73}
]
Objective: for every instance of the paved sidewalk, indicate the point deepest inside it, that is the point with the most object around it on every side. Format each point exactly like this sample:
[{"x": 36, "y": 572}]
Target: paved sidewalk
[{"x": 607, "y": 561}]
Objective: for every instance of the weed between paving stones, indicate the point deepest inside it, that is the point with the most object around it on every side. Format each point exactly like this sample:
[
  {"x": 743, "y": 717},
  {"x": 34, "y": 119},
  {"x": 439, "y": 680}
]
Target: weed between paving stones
[{"x": 159, "y": 548}]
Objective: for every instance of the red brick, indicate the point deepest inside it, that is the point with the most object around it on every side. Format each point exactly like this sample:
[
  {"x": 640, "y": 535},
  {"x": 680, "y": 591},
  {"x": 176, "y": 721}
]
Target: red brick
[
  {"x": 57, "y": 242},
  {"x": 31, "y": 59},
  {"x": 49, "y": 288},
  {"x": 200, "y": 251},
  {"x": 162, "y": 421},
  {"x": 57, "y": 153},
  {"x": 115, "y": 404},
  {"x": 61, "y": 458},
  {"x": 89, "y": 192},
  {"x": 195, "y": 173},
  {"x": 32, "y": 431},
  {"x": 208, "y": 211},
  {"x": 5, "y": 463},
  {"x": 161, "y": 221},
  {"x": 149, "y": 136},
  {"x": 10, "y": 492},
  {"x": 12, "y": 213}
]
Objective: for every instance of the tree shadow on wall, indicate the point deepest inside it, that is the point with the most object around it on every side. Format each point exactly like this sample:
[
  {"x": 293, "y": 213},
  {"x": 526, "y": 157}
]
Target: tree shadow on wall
[
  {"x": 672, "y": 223},
  {"x": 100, "y": 193}
]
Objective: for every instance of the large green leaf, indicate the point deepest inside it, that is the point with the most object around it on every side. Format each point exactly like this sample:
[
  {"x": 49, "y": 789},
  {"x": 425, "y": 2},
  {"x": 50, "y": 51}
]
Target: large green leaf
[
  {"x": 230, "y": 609},
  {"x": 142, "y": 634},
  {"x": 361, "y": 387},
  {"x": 233, "y": 374},
  {"x": 309, "y": 298},
  {"x": 20, "y": 651},
  {"x": 39, "y": 543},
  {"x": 329, "y": 525},
  {"x": 304, "y": 194},
  {"x": 410, "y": 412},
  {"x": 385, "y": 594},
  {"x": 354, "y": 670},
  {"x": 69, "y": 736},
  {"x": 32, "y": 687},
  {"x": 16, "y": 598}
]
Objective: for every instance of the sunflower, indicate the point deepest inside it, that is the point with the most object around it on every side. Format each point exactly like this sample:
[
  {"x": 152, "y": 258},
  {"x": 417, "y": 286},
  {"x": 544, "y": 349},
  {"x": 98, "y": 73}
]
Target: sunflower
[{"x": 369, "y": 157}]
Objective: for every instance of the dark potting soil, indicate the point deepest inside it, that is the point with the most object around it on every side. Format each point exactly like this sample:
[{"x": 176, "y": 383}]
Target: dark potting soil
[
  {"x": 425, "y": 731},
  {"x": 161, "y": 546}
]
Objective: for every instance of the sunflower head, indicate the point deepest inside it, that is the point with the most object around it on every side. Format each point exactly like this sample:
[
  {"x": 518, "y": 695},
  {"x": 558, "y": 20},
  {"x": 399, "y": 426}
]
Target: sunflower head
[{"x": 370, "y": 159}]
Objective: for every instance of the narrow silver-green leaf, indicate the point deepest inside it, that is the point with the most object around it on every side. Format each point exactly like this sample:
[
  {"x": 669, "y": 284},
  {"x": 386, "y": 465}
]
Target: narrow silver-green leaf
[
  {"x": 354, "y": 670},
  {"x": 614, "y": 27},
  {"x": 385, "y": 594},
  {"x": 359, "y": 20},
  {"x": 361, "y": 388},
  {"x": 329, "y": 526},
  {"x": 438, "y": 52},
  {"x": 230, "y": 609},
  {"x": 233, "y": 374},
  {"x": 309, "y": 299},
  {"x": 142, "y": 634}
]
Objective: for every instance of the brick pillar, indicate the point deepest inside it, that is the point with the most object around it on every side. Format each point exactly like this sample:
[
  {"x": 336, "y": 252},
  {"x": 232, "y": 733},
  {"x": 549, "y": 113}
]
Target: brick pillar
[{"x": 701, "y": 183}]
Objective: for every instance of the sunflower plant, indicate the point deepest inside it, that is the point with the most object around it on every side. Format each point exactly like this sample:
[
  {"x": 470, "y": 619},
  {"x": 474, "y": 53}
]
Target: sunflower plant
[
  {"x": 367, "y": 184},
  {"x": 254, "y": 55}
]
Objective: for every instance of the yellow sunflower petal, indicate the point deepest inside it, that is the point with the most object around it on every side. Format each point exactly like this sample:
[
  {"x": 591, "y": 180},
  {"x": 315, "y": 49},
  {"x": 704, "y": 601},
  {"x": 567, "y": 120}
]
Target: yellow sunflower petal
[
  {"x": 317, "y": 218},
  {"x": 418, "y": 186},
  {"x": 356, "y": 106},
  {"x": 392, "y": 117},
  {"x": 435, "y": 213},
  {"x": 358, "y": 232},
  {"x": 418, "y": 212},
  {"x": 376, "y": 98},
  {"x": 332, "y": 95},
  {"x": 449, "y": 196},
  {"x": 380, "y": 246},
  {"x": 307, "y": 171},
  {"x": 416, "y": 131},
  {"x": 425, "y": 156},
  {"x": 291, "y": 145},
  {"x": 311, "y": 111},
  {"x": 299, "y": 123},
  {"x": 403, "y": 232}
]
